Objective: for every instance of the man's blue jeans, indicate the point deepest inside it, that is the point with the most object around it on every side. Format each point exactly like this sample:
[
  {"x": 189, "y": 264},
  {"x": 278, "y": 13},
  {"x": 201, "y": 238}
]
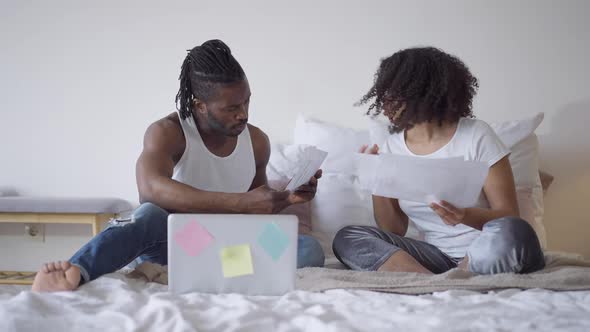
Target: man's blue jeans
[{"x": 146, "y": 238}]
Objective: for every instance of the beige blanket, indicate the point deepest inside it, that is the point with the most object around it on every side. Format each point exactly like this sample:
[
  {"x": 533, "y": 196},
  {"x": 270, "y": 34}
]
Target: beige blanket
[{"x": 563, "y": 272}]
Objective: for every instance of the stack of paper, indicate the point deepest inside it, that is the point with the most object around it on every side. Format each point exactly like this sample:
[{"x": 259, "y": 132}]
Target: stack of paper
[
  {"x": 308, "y": 164},
  {"x": 425, "y": 180}
]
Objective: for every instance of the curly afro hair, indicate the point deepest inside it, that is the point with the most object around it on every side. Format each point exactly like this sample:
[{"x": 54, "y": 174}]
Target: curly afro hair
[{"x": 427, "y": 83}]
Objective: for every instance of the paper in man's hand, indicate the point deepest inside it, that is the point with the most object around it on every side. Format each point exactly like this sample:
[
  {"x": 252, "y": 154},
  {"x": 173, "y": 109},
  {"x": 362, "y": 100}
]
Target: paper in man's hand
[{"x": 307, "y": 166}]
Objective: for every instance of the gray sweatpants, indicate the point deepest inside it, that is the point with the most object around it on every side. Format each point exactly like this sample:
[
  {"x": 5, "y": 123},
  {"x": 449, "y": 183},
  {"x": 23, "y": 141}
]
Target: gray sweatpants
[{"x": 505, "y": 245}]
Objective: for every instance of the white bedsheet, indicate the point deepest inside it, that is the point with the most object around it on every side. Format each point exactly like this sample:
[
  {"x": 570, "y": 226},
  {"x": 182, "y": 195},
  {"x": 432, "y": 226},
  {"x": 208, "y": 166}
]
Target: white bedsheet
[{"x": 116, "y": 303}]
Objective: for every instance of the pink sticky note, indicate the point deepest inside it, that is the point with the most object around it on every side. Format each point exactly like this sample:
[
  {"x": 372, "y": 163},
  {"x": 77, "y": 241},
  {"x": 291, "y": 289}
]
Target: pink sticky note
[{"x": 193, "y": 238}]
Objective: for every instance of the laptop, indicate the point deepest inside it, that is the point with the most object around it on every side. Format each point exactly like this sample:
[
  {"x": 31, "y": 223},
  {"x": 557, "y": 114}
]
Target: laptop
[{"x": 229, "y": 253}]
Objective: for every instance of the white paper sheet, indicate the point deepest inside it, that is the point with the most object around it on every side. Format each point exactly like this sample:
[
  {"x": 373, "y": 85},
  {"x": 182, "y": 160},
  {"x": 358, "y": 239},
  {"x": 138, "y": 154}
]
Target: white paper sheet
[
  {"x": 311, "y": 160},
  {"x": 426, "y": 180},
  {"x": 366, "y": 170}
]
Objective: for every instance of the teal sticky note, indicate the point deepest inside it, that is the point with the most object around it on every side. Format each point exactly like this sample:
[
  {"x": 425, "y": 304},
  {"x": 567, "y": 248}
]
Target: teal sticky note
[{"x": 273, "y": 240}]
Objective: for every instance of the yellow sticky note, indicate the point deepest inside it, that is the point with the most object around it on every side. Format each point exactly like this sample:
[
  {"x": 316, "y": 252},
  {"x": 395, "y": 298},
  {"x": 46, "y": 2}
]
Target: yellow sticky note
[{"x": 236, "y": 261}]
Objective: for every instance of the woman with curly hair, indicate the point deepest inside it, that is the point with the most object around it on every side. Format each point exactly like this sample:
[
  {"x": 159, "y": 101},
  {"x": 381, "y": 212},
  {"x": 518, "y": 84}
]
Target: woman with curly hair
[{"x": 427, "y": 95}]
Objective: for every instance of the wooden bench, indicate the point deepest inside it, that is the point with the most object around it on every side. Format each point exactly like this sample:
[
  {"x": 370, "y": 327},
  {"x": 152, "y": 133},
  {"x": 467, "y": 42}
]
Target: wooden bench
[{"x": 42, "y": 210}]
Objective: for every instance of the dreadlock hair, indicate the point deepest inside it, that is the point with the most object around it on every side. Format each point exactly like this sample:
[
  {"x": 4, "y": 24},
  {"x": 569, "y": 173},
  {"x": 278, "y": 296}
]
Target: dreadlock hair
[
  {"x": 431, "y": 84},
  {"x": 204, "y": 69}
]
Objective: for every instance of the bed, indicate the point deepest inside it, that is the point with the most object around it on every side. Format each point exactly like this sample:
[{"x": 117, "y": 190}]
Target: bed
[{"x": 116, "y": 302}]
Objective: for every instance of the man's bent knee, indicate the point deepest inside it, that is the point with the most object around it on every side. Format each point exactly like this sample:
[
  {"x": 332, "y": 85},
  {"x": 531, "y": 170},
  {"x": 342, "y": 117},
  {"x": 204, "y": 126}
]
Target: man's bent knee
[
  {"x": 310, "y": 252},
  {"x": 150, "y": 218}
]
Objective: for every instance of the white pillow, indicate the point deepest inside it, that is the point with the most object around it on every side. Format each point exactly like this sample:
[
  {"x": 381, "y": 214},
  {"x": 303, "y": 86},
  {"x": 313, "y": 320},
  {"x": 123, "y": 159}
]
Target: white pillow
[
  {"x": 524, "y": 159},
  {"x": 513, "y": 132},
  {"x": 531, "y": 206},
  {"x": 519, "y": 136},
  {"x": 339, "y": 202},
  {"x": 8, "y": 191},
  {"x": 338, "y": 141}
]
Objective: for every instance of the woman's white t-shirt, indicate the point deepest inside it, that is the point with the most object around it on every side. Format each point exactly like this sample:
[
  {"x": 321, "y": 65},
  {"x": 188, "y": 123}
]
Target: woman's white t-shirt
[{"x": 474, "y": 140}]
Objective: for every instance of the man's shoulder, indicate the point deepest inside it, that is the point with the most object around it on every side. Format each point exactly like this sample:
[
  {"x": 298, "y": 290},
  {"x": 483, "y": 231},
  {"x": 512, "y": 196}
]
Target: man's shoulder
[
  {"x": 166, "y": 126},
  {"x": 260, "y": 145},
  {"x": 258, "y": 137},
  {"x": 165, "y": 135}
]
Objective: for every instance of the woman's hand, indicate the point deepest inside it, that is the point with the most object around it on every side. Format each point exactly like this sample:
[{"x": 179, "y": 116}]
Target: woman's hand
[
  {"x": 500, "y": 192},
  {"x": 372, "y": 150},
  {"x": 450, "y": 214}
]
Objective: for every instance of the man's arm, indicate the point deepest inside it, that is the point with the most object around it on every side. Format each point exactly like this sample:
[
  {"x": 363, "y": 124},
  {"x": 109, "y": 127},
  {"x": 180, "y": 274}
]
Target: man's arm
[
  {"x": 162, "y": 148},
  {"x": 261, "y": 147}
]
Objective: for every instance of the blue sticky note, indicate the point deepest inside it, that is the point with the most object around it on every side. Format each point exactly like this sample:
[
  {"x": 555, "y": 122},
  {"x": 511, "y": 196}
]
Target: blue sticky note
[{"x": 273, "y": 240}]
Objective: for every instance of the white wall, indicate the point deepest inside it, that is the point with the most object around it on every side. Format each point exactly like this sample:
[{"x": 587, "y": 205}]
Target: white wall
[{"x": 79, "y": 84}]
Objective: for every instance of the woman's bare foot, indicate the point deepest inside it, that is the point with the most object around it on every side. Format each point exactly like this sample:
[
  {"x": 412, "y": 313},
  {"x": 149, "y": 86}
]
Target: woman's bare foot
[
  {"x": 464, "y": 264},
  {"x": 57, "y": 276}
]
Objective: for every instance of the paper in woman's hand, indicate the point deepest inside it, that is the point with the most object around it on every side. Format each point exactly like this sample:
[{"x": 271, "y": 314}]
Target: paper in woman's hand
[
  {"x": 306, "y": 167},
  {"x": 424, "y": 180}
]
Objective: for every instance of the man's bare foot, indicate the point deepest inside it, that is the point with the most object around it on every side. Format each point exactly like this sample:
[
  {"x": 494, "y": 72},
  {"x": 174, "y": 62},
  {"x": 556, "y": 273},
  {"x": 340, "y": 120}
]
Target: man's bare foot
[{"x": 57, "y": 276}]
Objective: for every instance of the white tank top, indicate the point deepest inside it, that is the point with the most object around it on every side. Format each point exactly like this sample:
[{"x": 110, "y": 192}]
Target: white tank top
[{"x": 200, "y": 168}]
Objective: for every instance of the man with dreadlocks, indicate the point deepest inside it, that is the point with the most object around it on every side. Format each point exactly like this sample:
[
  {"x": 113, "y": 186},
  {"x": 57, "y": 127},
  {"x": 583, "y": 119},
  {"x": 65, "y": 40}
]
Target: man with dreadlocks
[
  {"x": 427, "y": 95},
  {"x": 204, "y": 159}
]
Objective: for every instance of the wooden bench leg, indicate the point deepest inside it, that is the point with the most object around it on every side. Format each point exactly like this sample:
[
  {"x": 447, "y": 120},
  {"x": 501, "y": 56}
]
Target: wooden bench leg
[
  {"x": 95, "y": 227},
  {"x": 98, "y": 220}
]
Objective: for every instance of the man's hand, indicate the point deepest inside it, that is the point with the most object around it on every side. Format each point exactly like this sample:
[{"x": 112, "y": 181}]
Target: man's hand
[
  {"x": 264, "y": 200},
  {"x": 306, "y": 192},
  {"x": 450, "y": 214}
]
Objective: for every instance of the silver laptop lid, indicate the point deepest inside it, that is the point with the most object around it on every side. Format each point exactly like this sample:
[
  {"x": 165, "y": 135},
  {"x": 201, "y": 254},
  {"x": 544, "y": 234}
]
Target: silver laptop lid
[{"x": 218, "y": 253}]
